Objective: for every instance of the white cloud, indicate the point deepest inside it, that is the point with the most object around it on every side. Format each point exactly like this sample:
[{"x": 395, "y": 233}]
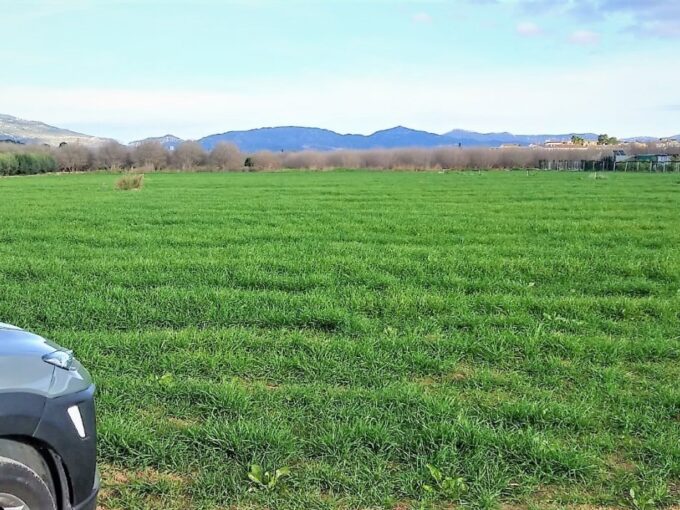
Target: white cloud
[
  {"x": 584, "y": 37},
  {"x": 656, "y": 18},
  {"x": 422, "y": 17},
  {"x": 529, "y": 29}
]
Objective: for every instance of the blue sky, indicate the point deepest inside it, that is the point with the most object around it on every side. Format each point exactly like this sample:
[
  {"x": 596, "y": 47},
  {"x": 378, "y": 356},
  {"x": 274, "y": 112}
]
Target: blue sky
[{"x": 131, "y": 69}]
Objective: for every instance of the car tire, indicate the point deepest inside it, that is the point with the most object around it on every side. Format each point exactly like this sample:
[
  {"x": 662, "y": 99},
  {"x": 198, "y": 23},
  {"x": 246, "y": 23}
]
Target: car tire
[{"x": 21, "y": 488}]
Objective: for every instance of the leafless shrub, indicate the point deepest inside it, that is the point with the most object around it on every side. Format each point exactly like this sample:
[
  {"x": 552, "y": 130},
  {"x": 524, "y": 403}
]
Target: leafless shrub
[
  {"x": 266, "y": 160},
  {"x": 374, "y": 159},
  {"x": 448, "y": 158},
  {"x": 311, "y": 160},
  {"x": 150, "y": 155},
  {"x": 73, "y": 158},
  {"x": 130, "y": 182},
  {"x": 344, "y": 159},
  {"x": 409, "y": 159},
  {"x": 189, "y": 155},
  {"x": 226, "y": 156},
  {"x": 111, "y": 155}
]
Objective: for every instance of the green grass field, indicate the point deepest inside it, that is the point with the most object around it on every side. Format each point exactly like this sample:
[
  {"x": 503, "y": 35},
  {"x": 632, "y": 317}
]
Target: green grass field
[{"x": 520, "y": 333}]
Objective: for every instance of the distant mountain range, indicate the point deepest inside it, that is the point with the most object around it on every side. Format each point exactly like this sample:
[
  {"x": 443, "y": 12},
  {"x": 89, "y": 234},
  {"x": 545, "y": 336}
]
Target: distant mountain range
[
  {"x": 472, "y": 138},
  {"x": 292, "y": 138},
  {"x": 301, "y": 138},
  {"x": 18, "y": 130}
]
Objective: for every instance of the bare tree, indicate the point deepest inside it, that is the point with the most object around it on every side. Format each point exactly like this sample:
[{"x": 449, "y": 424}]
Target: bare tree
[
  {"x": 342, "y": 159},
  {"x": 111, "y": 155},
  {"x": 150, "y": 155},
  {"x": 72, "y": 158},
  {"x": 266, "y": 160},
  {"x": 376, "y": 158},
  {"x": 226, "y": 156},
  {"x": 446, "y": 158},
  {"x": 189, "y": 155},
  {"x": 305, "y": 159}
]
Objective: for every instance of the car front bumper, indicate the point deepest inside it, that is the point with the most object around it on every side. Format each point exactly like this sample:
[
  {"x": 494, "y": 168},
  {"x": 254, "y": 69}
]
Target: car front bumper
[
  {"x": 91, "y": 502},
  {"x": 76, "y": 446}
]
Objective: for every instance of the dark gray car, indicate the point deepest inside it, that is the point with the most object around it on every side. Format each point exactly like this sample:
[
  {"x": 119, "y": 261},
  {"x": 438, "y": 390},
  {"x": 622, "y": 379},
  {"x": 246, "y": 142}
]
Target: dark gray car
[{"x": 47, "y": 426}]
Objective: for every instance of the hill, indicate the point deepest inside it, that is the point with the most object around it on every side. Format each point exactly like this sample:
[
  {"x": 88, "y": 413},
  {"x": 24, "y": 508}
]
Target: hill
[
  {"x": 168, "y": 141},
  {"x": 472, "y": 138},
  {"x": 30, "y": 131},
  {"x": 295, "y": 138}
]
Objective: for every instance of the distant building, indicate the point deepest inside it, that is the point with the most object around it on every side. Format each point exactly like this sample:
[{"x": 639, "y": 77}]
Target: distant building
[
  {"x": 654, "y": 158},
  {"x": 509, "y": 145},
  {"x": 558, "y": 144},
  {"x": 669, "y": 142},
  {"x": 620, "y": 156}
]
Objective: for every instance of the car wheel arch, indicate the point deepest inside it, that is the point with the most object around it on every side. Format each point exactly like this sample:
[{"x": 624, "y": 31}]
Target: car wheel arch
[{"x": 44, "y": 461}]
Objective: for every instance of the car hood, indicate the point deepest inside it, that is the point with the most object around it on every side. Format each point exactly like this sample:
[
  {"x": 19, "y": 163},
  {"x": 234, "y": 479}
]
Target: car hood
[
  {"x": 7, "y": 326},
  {"x": 16, "y": 342},
  {"x": 22, "y": 367}
]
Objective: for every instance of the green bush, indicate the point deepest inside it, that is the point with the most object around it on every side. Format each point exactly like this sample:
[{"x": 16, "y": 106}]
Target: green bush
[
  {"x": 26, "y": 163},
  {"x": 8, "y": 164}
]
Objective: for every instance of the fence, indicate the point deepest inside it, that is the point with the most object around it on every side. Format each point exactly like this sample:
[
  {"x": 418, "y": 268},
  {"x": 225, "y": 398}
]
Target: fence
[
  {"x": 607, "y": 165},
  {"x": 647, "y": 166},
  {"x": 579, "y": 165}
]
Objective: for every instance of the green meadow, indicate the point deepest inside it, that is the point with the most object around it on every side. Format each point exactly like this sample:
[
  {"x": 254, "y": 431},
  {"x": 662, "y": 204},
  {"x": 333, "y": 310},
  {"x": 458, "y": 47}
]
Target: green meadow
[{"x": 392, "y": 340}]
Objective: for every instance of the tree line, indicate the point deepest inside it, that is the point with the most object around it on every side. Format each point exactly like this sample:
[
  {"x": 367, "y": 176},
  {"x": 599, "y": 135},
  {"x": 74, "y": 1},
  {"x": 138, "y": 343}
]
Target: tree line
[{"x": 33, "y": 159}]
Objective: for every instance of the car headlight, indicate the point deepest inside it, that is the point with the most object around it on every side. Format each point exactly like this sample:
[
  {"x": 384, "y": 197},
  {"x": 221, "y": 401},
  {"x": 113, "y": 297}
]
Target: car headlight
[{"x": 61, "y": 359}]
